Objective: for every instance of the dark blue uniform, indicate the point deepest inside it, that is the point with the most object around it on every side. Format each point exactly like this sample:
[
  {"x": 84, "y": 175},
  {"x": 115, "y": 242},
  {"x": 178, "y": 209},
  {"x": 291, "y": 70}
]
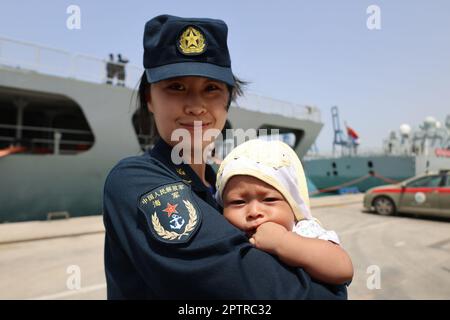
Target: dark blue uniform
[{"x": 167, "y": 239}]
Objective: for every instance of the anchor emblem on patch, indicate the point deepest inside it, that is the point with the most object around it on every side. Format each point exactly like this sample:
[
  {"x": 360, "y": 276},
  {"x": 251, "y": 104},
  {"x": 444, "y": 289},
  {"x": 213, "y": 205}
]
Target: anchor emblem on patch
[
  {"x": 176, "y": 221},
  {"x": 171, "y": 213}
]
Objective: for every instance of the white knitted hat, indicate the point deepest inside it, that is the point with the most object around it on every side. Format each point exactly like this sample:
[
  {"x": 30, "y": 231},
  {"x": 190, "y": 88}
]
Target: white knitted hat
[{"x": 273, "y": 162}]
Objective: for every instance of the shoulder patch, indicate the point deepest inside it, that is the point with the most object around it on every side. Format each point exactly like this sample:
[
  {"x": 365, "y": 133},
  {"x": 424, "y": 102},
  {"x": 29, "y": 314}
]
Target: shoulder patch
[{"x": 171, "y": 213}]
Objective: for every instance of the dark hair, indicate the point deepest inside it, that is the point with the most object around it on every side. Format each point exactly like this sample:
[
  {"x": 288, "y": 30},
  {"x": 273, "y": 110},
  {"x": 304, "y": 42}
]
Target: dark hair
[{"x": 146, "y": 122}]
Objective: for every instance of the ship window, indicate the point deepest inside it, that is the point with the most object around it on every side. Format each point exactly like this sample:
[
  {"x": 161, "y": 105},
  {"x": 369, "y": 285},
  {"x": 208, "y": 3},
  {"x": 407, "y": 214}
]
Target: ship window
[
  {"x": 333, "y": 165},
  {"x": 40, "y": 123},
  {"x": 370, "y": 164},
  {"x": 143, "y": 126},
  {"x": 290, "y": 136},
  {"x": 335, "y": 173}
]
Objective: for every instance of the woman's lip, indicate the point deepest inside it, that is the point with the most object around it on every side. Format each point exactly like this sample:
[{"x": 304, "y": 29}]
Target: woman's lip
[{"x": 189, "y": 125}]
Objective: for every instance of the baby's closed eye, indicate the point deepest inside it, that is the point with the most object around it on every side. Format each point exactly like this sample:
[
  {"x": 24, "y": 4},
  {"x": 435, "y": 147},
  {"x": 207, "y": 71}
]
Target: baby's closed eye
[
  {"x": 271, "y": 199},
  {"x": 236, "y": 202}
]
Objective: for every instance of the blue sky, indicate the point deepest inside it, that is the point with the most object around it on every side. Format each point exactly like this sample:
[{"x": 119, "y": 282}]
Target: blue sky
[{"x": 307, "y": 52}]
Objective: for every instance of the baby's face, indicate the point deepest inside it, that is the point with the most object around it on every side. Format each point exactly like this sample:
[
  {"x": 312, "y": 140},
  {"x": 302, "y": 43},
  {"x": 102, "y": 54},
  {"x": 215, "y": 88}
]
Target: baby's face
[{"x": 249, "y": 202}]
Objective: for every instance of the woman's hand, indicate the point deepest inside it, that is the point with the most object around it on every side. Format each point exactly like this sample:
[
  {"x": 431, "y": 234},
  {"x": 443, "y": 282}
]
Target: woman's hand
[{"x": 269, "y": 237}]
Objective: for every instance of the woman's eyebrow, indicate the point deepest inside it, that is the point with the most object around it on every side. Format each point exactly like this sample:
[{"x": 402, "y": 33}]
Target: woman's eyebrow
[{"x": 217, "y": 83}]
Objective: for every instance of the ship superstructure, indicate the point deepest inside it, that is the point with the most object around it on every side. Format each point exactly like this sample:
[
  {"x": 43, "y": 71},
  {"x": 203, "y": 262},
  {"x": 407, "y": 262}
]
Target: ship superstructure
[{"x": 64, "y": 124}]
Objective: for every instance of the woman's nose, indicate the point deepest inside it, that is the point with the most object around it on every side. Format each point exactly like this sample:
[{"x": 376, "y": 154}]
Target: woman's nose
[{"x": 194, "y": 105}]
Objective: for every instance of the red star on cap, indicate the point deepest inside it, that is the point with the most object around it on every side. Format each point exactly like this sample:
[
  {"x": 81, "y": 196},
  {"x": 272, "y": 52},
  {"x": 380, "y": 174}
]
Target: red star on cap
[{"x": 171, "y": 208}]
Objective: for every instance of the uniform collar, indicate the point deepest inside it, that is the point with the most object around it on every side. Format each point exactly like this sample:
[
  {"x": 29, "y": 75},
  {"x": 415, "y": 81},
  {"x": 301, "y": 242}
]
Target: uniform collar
[{"x": 162, "y": 151}]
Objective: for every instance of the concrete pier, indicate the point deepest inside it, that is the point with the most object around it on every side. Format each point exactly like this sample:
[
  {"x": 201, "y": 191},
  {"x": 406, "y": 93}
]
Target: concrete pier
[{"x": 394, "y": 257}]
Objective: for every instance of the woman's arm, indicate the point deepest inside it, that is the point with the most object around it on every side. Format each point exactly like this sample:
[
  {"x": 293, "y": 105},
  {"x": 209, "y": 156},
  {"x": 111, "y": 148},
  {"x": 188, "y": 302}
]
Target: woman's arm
[
  {"x": 321, "y": 259},
  {"x": 217, "y": 262}
]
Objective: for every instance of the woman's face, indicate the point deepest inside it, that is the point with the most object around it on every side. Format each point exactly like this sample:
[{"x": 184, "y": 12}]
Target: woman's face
[
  {"x": 176, "y": 103},
  {"x": 249, "y": 202}
]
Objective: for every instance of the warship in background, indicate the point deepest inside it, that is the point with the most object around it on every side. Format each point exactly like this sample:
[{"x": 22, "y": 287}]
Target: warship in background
[
  {"x": 406, "y": 153},
  {"x": 64, "y": 124}
]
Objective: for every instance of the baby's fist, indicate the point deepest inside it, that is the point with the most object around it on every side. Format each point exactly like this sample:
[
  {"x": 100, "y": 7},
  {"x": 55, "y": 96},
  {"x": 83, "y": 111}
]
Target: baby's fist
[{"x": 268, "y": 237}]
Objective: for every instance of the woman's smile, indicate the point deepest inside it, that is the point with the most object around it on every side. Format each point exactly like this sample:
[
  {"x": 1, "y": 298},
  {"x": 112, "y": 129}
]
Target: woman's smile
[{"x": 195, "y": 125}]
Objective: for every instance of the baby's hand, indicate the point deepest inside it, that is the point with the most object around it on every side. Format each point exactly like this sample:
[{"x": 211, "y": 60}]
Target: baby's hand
[{"x": 268, "y": 237}]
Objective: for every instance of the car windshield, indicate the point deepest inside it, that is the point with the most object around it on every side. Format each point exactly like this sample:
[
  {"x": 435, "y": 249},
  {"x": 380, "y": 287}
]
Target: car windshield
[
  {"x": 430, "y": 181},
  {"x": 447, "y": 183}
]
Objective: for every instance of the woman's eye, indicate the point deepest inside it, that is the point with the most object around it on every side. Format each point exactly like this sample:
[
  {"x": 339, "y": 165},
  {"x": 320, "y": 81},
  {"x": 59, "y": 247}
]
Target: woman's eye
[
  {"x": 176, "y": 86},
  {"x": 212, "y": 87}
]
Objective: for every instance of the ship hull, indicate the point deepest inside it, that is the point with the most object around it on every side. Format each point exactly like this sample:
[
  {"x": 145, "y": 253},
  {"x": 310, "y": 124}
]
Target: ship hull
[
  {"x": 364, "y": 172},
  {"x": 333, "y": 174},
  {"x": 40, "y": 186}
]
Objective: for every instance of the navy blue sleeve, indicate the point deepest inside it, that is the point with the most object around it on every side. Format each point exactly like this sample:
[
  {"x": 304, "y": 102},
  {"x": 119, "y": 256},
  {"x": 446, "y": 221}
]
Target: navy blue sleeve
[{"x": 217, "y": 262}]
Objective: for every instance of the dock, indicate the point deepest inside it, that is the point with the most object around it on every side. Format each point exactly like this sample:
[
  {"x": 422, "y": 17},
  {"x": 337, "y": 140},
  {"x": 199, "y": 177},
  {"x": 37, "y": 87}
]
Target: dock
[{"x": 400, "y": 257}]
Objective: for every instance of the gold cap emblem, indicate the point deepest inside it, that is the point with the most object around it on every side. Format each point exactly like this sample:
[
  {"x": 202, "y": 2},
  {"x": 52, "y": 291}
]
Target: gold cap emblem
[{"x": 192, "y": 41}]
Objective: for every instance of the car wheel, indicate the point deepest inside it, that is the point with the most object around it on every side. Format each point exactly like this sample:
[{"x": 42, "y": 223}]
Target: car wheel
[{"x": 384, "y": 206}]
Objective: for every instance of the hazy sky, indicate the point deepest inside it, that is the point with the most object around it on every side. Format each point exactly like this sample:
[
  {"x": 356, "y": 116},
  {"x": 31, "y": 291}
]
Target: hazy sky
[{"x": 307, "y": 52}]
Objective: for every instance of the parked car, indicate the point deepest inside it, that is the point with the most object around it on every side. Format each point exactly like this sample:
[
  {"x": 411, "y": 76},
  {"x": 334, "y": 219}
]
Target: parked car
[{"x": 428, "y": 194}]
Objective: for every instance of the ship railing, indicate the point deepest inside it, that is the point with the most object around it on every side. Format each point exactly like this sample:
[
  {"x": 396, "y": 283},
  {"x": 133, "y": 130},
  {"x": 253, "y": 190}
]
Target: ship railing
[
  {"x": 374, "y": 152},
  {"x": 57, "y": 62},
  {"x": 256, "y": 102},
  {"x": 62, "y": 63},
  {"x": 54, "y": 144}
]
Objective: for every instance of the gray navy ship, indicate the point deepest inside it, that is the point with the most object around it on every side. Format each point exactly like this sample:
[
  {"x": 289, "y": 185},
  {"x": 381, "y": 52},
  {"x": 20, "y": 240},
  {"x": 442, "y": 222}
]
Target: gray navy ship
[
  {"x": 64, "y": 123},
  {"x": 405, "y": 153}
]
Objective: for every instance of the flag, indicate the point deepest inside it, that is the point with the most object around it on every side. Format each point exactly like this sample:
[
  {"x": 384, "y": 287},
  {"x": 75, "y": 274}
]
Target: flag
[{"x": 352, "y": 133}]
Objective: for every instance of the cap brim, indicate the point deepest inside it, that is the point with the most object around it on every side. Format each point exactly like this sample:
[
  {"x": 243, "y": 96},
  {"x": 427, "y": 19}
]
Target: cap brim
[{"x": 183, "y": 69}]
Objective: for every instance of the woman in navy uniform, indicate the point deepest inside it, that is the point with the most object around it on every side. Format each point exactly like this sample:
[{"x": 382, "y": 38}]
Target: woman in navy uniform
[{"x": 165, "y": 235}]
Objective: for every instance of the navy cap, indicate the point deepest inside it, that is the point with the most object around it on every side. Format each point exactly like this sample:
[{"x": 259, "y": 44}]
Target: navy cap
[{"x": 175, "y": 47}]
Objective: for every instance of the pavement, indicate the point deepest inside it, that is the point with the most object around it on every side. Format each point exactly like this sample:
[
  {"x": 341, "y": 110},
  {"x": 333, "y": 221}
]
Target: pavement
[
  {"x": 400, "y": 257},
  {"x": 42, "y": 230}
]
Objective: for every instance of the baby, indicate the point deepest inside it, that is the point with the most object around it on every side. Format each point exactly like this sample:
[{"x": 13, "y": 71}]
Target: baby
[{"x": 262, "y": 188}]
